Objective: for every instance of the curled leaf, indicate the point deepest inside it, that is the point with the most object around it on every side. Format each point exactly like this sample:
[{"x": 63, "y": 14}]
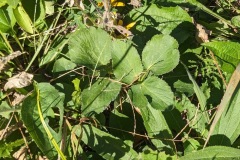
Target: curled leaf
[{"x": 20, "y": 80}]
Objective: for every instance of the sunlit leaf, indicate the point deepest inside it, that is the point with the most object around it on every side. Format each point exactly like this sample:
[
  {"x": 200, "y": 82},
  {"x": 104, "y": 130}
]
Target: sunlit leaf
[
  {"x": 23, "y": 19},
  {"x": 161, "y": 55},
  {"x": 106, "y": 145},
  {"x": 215, "y": 152},
  {"x": 127, "y": 64},
  {"x": 97, "y": 97},
  {"x": 90, "y": 47},
  {"x": 49, "y": 98}
]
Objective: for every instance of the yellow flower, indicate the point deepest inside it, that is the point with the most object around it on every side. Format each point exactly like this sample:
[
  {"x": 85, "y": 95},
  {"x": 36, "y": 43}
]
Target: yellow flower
[{"x": 114, "y": 3}]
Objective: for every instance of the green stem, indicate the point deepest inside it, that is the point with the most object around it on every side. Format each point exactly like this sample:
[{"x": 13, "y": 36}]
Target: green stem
[{"x": 43, "y": 41}]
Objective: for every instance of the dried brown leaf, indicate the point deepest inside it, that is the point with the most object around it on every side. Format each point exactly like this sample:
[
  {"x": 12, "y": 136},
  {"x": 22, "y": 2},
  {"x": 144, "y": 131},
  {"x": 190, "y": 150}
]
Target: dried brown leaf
[
  {"x": 20, "y": 80},
  {"x": 18, "y": 98},
  {"x": 202, "y": 33},
  {"x": 6, "y": 59},
  {"x": 21, "y": 153}
]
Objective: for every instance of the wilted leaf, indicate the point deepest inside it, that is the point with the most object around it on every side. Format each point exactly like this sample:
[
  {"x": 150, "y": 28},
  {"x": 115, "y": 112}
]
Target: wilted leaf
[
  {"x": 161, "y": 55},
  {"x": 18, "y": 98},
  {"x": 201, "y": 33},
  {"x": 6, "y": 59},
  {"x": 20, "y": 80}
]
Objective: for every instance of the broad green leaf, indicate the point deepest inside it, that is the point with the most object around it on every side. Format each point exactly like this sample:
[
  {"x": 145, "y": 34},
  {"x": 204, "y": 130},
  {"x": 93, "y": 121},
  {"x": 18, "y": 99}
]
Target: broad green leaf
[
  {"x": 137, "y": 96},
  {"x": 184, "y": 87},
  {"x": 49, "y": 99},
  {"x": 126, "y": 61},
  {"x": 228, "y": 127},
  {"x": 154, "y": 90},
  {"x": 35, "y": 9},
  {"x": 190, "y": 145},
  {"x": 158, "y": 92},
  {"x": 63, "y": 64},
  {"x": 106, "y": 145},
  {"x": 157, "y": 128},
  {"x": 161, "y": 55},
  {"x": 215, "y": 152},
  {"x": 229, "y": 52},
  {"x": 23, "y": 19},
  {"x": 98, "y": 96},
  {"x": 90, "y": 47},
  {"x": 5, "y": 24},
  {"x": 121, "y": 122},
  {"x": 164, "y": 19}
]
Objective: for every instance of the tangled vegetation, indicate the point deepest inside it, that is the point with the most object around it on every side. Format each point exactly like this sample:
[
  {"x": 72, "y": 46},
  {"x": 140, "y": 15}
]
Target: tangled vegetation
[{"x": 119, "y": 79}]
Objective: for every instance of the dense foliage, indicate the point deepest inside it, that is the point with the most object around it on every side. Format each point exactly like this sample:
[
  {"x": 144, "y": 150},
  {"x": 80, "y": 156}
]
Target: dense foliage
[{"x": 151, "y": 79}]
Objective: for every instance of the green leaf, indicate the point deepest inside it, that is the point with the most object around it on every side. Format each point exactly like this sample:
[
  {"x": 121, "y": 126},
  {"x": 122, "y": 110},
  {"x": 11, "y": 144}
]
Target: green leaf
[
  {"x": 6, "y": 149},
  {"x": 157, "y": 93},
  {"x": 149, "y": 154},
  {"x": 13, "y": 3},
  {"x": 119, "y": 121},
  {"x": 197, "y": 119},
  {"x": 190, "y": 145},
  {"x": 98, "y": 96},
  {"x": 161, "y": 55},
  {"x": 23, "y": 19},
  {"x": 106, "y": 145},
  {"x": 164, "y": 19},
  {"x": 90, "y": 47},
  {"x": 201, "y": 97},
  {"x": 63, "y": 64},
  {"x": 127, "y": 64},
  {"x": 6, "y": 109},
  {"x": 157, "y": 128},
  {"x": 236, "y": 21},
  {"x": 49, "y": 7},
  {"x": 49, "y": 99},
  {"x": 228, "y": 127},
  {"x": 35, "y": 9},
  {"x": 3, "y": 2},
  {"x": 137, "y": 96},
  {"x": 215, "y": 152},
  {"x": 5, "y": 23},
  {"x": 229, "y": 52}
]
